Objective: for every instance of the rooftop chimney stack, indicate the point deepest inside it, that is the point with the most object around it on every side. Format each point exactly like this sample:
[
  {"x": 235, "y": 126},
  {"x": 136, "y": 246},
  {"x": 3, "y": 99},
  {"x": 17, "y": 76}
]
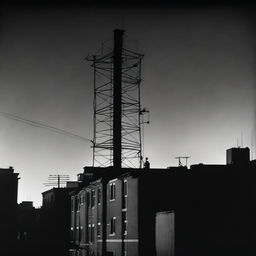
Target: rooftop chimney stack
[{"x": 238, "y": 156}]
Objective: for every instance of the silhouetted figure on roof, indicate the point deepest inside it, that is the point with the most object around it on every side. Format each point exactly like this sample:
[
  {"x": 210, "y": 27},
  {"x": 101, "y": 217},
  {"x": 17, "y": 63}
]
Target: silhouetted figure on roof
[{"x": 146, "y": 164}]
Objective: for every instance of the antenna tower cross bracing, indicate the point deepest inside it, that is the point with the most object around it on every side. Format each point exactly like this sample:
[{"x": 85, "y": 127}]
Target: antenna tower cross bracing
[{"x": 117, "y": 108}]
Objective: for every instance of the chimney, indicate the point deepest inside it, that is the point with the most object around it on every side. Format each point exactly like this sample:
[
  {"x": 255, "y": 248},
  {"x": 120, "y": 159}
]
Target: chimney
[{"x": 238, "y": 156}]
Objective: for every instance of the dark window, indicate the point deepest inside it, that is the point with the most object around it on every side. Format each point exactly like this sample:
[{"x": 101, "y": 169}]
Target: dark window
[
  {"x": 88, "y": 199},
  {"x": 88, "y": 233},
  {"x": 81, "y": 233},
  {"x": 81, "y": 199},
  {"x": 125, "y": 188},
  {"x": 77, "y": 203},
  {"x": 92, "y": 233},
  {"x": 98, "y": 229},
  {"x": 124, "y": 216},
  {"x": 72, "y": 234},
  {"x": 125, "y": 203},
  {"x": 113, "y": 226},
  {"x": 99, "y": 195},
  {"x": 73, "y": 203},
  {"x": 77, "y": 234},
  {"x": 125, "y": 194},
  {"x": 93, "y": 197},
  {"x": 112, "y": 191}
]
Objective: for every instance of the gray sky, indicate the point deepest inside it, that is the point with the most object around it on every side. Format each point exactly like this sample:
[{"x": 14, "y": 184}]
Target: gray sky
[{"x": 198, "y": 83}]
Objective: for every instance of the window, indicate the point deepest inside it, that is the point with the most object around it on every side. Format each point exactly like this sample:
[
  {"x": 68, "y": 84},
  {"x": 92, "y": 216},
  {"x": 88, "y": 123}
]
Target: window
[
  {"x": 99, "y": 195},
  {"x": 125, "y": 188},
  {"x": 73, "y": 203},
  {"x": 98, "y": 229},
  {"x": 81, "y": 199},
  {"x": 91, "y": 229},
  {"x": 93, "y": 197},
  {"x": 88, "y": 199},
  {"x": 92, "y": 233},
  {"x": 72, "y": 234},
  {"x": 113, "y": 226},
  {"x": 77, "y": 234},
  {"x": 77, "y": 204},
  {"x": 124, "y": 217},
  {"x": 112, "y": 191},
  {"x": 125, "y": 194},
  {"x": 89, "y": 232},
  {"x": 81, "y": 233}
]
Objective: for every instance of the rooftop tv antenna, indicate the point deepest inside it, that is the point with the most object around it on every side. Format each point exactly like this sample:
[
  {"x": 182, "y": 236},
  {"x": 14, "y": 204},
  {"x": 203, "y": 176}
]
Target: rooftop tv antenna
[
  {"x": 182, "y": 157},
  {"x": 117, "y": 109},
  {"x": 57, "y": 180}
]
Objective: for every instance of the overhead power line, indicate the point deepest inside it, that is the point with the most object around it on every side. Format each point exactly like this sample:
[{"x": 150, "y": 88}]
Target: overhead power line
[{"x": 43, "y": 126}]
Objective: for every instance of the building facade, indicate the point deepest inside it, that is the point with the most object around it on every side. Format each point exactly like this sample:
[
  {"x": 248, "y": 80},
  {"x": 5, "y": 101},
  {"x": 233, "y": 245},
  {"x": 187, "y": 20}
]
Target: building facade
[
  {"x": 109, "y": 214},
  {"x": 55, "y": 221},
  {"x": 8, "y": 210},
  {"x": 204, "y": 210}
]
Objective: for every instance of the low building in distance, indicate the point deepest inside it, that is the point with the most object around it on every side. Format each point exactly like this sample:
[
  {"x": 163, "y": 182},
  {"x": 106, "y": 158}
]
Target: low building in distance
[{"x": 8, "y": 209}]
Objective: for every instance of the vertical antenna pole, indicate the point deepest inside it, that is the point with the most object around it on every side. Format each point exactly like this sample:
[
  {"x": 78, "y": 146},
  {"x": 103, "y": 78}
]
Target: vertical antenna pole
[
  {"x": 58, "y": 181},
  {"x": 141, "y": 122},
  {"x": 94, "y": 109},
  {"x": 117, "y": 121},
  {"x": 252, "y": 145}
]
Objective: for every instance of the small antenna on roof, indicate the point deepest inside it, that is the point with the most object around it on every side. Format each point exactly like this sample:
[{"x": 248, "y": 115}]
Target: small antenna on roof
[
  {"x": 182, "y": 157},
  {"x": 237, "y": 143},
  {"x": 252, "y": 144},
  {"x": 242, "y": 142}
]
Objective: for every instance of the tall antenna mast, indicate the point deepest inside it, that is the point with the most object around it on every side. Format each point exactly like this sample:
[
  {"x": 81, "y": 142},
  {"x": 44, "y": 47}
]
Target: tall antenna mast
[
  {"x": 117, "y": 121},
  {"x": 117, "y": 110}
]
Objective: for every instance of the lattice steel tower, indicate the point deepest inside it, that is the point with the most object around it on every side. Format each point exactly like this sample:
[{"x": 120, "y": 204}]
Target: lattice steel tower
[{"x": 117, "y": 137}]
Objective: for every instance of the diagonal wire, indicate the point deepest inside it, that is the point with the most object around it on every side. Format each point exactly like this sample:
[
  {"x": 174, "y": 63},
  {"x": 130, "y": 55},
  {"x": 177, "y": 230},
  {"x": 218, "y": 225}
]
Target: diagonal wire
[{"x": 43, "y": 126}]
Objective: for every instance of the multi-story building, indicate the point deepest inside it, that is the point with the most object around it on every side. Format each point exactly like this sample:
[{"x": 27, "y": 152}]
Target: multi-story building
[
  {"x": 8, "y": 210},
  {"x": 204, "y": 210},
  {"x": 112, "y": 210},
  {"x": 55, "y": 221}
]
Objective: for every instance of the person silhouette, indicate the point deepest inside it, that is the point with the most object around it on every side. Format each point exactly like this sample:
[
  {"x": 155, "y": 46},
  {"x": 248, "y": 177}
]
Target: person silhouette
[{"x": 146, "y": 164}]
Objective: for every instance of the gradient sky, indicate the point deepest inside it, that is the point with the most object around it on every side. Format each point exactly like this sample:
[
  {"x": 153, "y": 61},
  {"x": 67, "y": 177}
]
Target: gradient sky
[{"x": 198, "y": 83}]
